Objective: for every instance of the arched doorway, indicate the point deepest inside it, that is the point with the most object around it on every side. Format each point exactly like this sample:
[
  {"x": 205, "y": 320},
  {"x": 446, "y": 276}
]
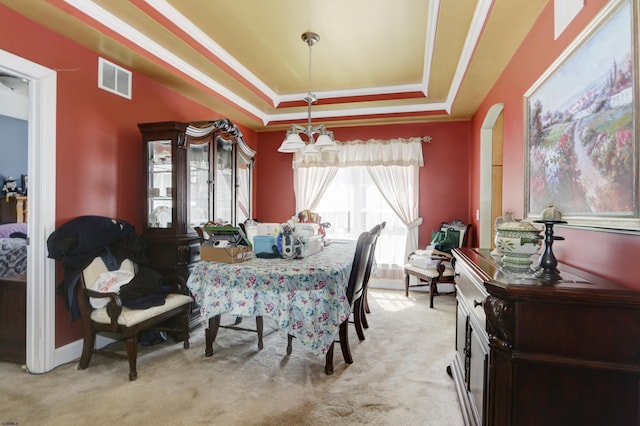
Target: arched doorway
[{"x": 491, "y": 141}]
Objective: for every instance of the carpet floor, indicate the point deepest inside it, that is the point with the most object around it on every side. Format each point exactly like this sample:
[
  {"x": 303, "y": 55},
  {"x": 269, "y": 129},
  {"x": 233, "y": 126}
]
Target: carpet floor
[{"x": 398, "y": 377}]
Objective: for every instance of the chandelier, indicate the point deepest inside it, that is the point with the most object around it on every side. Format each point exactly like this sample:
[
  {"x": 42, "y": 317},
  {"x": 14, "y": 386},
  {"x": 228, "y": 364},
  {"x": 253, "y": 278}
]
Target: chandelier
[{"x": 293, "y": 141}]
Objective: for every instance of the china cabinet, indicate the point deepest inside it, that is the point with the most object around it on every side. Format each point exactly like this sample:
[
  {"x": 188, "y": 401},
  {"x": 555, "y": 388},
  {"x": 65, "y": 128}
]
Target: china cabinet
[
  {"x": 529, "y": 352},
  {"x": 194, "y": 172}
]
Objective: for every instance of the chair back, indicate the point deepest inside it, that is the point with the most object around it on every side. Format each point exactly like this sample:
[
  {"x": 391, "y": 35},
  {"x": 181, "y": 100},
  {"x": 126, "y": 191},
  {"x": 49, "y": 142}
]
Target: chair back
[
  {"x": 91, "y": 273},
  {"x": 359, "y": 268},
  {"x": 375, "y": 231},
  {"x": 459, "y": 226}
]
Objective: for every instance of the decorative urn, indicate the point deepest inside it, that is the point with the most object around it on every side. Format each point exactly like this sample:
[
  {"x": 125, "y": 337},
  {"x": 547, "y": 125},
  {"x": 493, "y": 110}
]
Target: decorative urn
[{"x": 517, "y": 241}]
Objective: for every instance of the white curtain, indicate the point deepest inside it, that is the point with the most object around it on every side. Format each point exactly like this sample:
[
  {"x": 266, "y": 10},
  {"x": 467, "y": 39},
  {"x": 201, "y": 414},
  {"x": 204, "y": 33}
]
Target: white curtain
[
  {"x": 392, "y": 164},
  {"x": 309, "y": 184},
  {"x": 399, "y": 186}
]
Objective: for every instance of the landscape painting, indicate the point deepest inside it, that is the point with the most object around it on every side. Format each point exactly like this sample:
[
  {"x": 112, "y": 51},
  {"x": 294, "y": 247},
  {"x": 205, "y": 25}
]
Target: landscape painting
[{"x": 581, "y": 144}]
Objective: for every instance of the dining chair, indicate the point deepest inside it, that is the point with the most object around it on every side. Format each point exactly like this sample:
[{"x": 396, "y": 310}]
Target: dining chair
[
  {"x": 355, "y": 288},
  {"x": 214, "y": 323},
  {"x": 375, "y": 231},
  {"x": 102, "y": 308},
  {"x": 436, "y": 266}
]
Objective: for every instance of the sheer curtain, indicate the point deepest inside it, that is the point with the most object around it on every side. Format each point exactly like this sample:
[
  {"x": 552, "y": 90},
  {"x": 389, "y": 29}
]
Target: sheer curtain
[
  {"x": 399, "y": 186},
  {"x": 392, "y": 164},
  {"x": 310, "y": 183}
]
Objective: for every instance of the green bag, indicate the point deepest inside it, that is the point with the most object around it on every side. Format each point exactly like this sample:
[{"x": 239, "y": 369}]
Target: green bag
[{"x": 447, "y": 239}]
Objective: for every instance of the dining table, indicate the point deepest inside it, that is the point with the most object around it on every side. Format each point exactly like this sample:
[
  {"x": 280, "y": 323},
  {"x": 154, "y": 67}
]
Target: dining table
[{"x": 306, "y": 297}]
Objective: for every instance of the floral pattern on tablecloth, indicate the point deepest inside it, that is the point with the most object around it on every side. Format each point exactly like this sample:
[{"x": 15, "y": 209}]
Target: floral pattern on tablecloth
[{"x": 306, "y": 297}]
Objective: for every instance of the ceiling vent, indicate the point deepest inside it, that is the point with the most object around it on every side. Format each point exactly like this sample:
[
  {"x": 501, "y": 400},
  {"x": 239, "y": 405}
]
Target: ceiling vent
[{"x": 113, "y": 78}]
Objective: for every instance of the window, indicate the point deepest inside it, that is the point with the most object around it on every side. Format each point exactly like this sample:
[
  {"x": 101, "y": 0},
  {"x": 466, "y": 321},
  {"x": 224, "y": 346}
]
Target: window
[{"x": 353, "y": 204}]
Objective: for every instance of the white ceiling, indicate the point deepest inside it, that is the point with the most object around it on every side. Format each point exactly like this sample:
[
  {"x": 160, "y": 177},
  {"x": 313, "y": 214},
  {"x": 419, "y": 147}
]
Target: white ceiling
[{"x": 378, "y": 61}]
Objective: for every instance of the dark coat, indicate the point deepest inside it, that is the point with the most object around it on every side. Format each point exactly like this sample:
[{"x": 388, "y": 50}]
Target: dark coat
[{"x": 78, "y": 241}]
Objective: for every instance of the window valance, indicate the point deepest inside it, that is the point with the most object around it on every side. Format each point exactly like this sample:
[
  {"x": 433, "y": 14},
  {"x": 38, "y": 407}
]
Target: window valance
[{"x": 373, "y": 152}]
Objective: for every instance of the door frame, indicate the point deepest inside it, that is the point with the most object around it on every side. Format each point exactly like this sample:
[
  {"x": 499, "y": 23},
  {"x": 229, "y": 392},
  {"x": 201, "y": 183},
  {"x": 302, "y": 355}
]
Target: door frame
[
  {"x": 487, "y": 198},
  {"x": 41, "y": 354}
]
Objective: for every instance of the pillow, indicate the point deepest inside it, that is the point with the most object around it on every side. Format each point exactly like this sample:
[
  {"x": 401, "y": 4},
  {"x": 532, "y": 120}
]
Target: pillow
[
  {"x": 109, "y": 282},
  {"x": 6, "y": 229}
]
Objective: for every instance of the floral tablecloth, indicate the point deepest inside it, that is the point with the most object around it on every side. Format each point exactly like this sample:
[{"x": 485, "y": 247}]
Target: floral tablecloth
[{"x": 306, "y": 297}]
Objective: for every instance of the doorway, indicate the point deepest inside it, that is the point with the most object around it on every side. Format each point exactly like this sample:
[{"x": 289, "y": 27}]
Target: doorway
[
  {"x": 491, "y": 141},
  {"x": 41, "y": 355}
]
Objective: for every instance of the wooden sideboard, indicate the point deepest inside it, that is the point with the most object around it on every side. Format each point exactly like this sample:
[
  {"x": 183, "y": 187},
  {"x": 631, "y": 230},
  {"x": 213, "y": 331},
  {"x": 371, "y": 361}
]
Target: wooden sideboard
[{"x": 532, "y": 353}]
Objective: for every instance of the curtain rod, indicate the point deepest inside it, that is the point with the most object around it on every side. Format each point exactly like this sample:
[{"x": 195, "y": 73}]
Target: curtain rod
[{"x": 426, "y": 139}]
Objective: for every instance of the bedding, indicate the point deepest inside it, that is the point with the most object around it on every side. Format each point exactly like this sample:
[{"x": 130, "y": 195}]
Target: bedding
[
  {"x": 13, "y": 256},
  {"x": 7, "y": 229}
]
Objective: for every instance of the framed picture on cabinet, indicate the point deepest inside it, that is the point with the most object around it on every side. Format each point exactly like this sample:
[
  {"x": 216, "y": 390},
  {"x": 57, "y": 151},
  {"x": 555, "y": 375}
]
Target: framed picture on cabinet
[{"x": 581, "y": 134}]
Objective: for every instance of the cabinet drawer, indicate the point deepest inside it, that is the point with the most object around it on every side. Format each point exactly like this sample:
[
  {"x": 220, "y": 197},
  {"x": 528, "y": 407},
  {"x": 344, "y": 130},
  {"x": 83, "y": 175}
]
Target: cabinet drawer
[{"x": 471, "y": 291}]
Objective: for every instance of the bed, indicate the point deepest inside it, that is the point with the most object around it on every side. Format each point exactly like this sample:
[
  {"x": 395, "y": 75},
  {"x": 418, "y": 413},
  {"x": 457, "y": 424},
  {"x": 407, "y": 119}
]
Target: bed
[{"x": 13, "y": 279}]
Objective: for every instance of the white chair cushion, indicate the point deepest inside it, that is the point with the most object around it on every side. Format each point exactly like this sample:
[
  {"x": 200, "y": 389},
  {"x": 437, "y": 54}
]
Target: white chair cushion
[
  {"x": 129, "y": 317},
  {"x": 410, "y": 269},
  {"x": 92, "y": 272}
]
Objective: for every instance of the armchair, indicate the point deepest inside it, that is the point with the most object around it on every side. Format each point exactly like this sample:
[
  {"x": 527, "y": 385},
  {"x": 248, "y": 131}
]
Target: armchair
[
  {"x": 113, "y": 317},
  {"x": 433, "y": 266}
]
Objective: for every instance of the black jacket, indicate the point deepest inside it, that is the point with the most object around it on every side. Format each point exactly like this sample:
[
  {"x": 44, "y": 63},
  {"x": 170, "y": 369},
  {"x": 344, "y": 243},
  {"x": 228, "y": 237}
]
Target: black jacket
[{"x": 80, "y": 240}]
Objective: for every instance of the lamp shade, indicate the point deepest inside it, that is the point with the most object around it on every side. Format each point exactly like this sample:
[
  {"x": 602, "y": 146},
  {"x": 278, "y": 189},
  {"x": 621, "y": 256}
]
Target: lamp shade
[
  {"x": 325, "y": 143},
  {"x": 292, "y": 143},
  {"x": 324, "y": 140}
]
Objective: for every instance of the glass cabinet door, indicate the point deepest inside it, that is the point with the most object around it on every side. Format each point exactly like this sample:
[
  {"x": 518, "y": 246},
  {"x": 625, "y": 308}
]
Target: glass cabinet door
[
  {"x": 243, "y": 186},
  {"x": 199, "y": 183},
  {"x": 160, "y": 190},
  {"x": 224, "y": 181}
]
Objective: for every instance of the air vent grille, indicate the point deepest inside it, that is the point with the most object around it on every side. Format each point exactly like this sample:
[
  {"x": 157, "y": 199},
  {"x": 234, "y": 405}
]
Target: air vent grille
[{"x": 113, "y": 78}]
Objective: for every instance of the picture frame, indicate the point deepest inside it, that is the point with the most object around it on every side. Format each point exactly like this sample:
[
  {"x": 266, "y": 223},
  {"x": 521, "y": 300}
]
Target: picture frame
[{"x": 581, "y": 134}]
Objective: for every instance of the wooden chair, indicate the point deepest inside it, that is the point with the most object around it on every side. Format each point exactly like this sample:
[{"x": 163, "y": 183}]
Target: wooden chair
[
  {"x": 214, "y": 323},
  {"x": 355, "y": 293},
  {"x": 375, "y": 231},
  {"x": 172, "y": 316},
  {"x": 437, "y": 268}
]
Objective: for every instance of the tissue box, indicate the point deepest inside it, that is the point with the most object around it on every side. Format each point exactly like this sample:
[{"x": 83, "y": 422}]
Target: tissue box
[
  {"x": 312, "y": 245},
  {"x": 225, "y": 254},
  {"x": 307, "y": 229},
  {"x": 263, "y": 243}
]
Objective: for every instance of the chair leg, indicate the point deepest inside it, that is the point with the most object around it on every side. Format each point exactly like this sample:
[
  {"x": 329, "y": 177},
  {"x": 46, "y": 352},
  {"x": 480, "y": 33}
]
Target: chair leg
[
  {"x": 344, "y": 342},
  {"x": 289, "y": 343},
  {"x": 259, "y": 328},
  {"x": 185, "y": 329},
  {"x": 88, "y": 347},
  {"x": 132, "y": 354},
  {"x": 210, "y": 334},
  {"x": 406, "y": 285},
  {"x": 328, "y": 364},
  {"x": 365, "y": 311},
  {"x": 433, "y": 289},
  {"x": 363, "y": 318},
  {"x": 357, "y": 318}
]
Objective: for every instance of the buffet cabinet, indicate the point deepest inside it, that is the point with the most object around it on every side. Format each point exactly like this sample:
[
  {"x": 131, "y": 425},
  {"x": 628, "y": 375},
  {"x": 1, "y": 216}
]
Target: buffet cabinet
[
  {"x": 195, "y": 172},
  {"x": 535, "y": 353}
]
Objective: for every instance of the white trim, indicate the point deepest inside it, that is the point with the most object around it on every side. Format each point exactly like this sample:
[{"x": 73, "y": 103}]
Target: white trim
[
  {"x": 41, "y": 214},
  {"x": 430, "y": 42},
  {"x": 480, "y": 16},
  {"x": 486, "y": 163},
  {"x": 358, "y": 111},
  {"x": 563, "y": 13}
]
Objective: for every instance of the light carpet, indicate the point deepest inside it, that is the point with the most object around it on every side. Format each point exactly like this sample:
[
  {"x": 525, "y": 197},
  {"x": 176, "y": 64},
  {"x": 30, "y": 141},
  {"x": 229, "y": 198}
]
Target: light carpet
[{"x": 398, "y": 378}]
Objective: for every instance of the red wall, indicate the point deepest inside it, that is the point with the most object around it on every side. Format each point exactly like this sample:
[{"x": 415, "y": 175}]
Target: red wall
[
  {"x": 444, "y": 179},
  {"x": 608, "y": 254},
  {"x": 99, "y": 148}
]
